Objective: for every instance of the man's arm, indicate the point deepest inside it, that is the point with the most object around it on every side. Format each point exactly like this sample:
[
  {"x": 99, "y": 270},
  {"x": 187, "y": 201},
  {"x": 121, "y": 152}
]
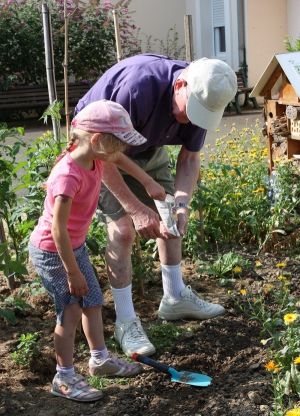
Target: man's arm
[
  {"x": 146, "y": 221},
  {"x": 187, "y": 174}
]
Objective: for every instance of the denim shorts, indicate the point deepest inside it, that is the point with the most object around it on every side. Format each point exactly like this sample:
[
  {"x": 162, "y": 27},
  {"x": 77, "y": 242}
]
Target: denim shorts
[
  {"x": 50, "y": 268},
  {"x": 155, "y": 162}
]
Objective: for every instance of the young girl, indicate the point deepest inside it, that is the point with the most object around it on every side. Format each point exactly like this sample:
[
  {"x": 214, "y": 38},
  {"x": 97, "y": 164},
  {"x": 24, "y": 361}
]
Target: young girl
[{"x": 100, "y": 132}]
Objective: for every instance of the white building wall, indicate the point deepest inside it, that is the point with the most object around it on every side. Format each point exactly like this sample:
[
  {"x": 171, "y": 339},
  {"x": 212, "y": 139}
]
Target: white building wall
[
  {"x": 156, "y": 17},
  {"x": 293, "y": 19},
  {"x": 266, "y": 29}
]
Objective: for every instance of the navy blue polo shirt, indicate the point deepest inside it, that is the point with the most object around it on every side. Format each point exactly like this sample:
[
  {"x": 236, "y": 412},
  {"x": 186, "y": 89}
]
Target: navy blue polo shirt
[{"x": 143, "y": 85}]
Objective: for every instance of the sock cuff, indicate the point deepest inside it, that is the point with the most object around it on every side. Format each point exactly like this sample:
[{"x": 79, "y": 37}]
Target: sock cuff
[
  {"x": 117, "y": 290},
  {"x": 170, "y": 267}
]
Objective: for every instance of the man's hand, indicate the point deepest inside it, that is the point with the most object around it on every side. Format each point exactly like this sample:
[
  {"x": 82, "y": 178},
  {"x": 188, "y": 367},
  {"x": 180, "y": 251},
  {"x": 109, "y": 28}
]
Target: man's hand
[
  {"x": 77, "y": 284},
  {"x": 155, "y": 190},
  {"x": 165, "y": 233},
  {"x": 146, "y": 223},
  {"x": 182, "y": 220}
]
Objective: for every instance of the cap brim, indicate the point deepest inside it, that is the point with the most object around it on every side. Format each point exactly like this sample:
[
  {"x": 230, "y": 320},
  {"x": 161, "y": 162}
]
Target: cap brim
[
  {"x": 201, "y": 116},
  {"x": 133, "y": 138}
]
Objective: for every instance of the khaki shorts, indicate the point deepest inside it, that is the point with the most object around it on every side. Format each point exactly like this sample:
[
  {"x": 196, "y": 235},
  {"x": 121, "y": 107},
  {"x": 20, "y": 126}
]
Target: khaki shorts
[{"x": 153, "y": 161}]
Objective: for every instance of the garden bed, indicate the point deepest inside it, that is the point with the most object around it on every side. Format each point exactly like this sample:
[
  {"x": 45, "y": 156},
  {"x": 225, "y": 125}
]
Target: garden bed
[{"x": 228, "y": 348}]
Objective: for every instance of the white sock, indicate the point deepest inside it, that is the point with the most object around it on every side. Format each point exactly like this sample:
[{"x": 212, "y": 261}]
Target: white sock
[
  {"x": 100, "y": 354},
  {"x": 123, "y": 303},
  {"x": 65, "y": 371},
  {"x": 172, "y": 280}
]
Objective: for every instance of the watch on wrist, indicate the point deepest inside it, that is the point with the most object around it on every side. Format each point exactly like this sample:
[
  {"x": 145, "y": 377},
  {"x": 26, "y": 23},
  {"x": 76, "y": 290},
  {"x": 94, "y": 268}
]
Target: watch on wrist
[{"x": 179, "y": 205}]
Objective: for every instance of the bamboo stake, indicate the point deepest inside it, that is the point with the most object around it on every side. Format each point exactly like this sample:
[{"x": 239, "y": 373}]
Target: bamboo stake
[
  {"x": 117, "y": 34},
  {"x": 50, "y": 70},
  {"x": 188, "y": 37},
  {"x": 11, "y": 278},
  {"x": 189, "y": 53},
  {"x": 65, "y": 65}
]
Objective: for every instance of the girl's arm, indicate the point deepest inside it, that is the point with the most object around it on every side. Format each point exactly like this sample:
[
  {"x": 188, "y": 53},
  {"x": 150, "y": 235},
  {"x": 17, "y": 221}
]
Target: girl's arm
[
  {"x": 60, "y": 234},
  {"x": 154, "y": 190}
]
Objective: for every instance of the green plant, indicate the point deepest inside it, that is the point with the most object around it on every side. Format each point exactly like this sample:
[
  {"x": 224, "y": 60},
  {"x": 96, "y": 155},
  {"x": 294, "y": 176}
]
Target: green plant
[
  {"x": 96, "y": 239},
  {"x": 292, "y": 45},
  {"x": 18, "y": 303},
  {"x": 8, "y": 315},
  {"x": 228, "y": 264},
  {"x": 164, "y": 335},
  {"x": 91, "y": 39},
  {"x": 142, "y": 262},
  {"x": 11, "y": 255},
  {"x": 101, "y": 383},
  {"x": 275, "y": 308},
  {"x": 286, "y": 199},
  {"x": 13, "y": 304},
  {"x": 27, "y": 349},
  {"x": 233, "y": 189}
]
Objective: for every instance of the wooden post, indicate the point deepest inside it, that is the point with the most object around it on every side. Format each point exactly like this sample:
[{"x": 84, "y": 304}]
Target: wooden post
[
  {"x": 65, "y": 65},
  {"x": 188, "y": 34},
  {"x": 48, "y": 44},
  {"x": 11, "y": 278},
  {"x": 117, "y": 35},
  {"x": 189, "y": 53}
]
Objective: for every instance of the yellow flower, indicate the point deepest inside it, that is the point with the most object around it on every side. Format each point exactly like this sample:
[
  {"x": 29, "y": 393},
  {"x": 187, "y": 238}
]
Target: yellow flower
[
  {"x": 297, "y": 360},
  {"x": 267, "y": 288},
  {"x": 255, "y": 139},
  {"x": 290, "y": 318},
  {"x": 272, "y": 367},
  {"x": 282, "y": 278},
  {"x": 281, "y": 265},
  {"x": 258, "y": 263},
  {"x": 237, "y": 269},
  {"x": 243, "y": 292},
  {"x": 258, "y": 190},
  {"x": 265, "y": 152},
  {"x": 293, "y": 412}
]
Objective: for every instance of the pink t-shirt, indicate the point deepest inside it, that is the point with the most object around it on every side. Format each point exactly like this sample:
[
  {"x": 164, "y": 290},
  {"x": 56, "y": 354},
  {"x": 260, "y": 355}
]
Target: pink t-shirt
[{"x": 83, "y": 186}]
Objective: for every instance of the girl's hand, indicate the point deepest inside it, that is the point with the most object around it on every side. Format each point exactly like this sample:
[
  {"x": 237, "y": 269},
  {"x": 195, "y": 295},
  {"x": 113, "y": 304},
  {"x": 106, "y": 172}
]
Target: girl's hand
[
  {"x": 155, "y": 190},
  {"x": 77, "y": 284}
]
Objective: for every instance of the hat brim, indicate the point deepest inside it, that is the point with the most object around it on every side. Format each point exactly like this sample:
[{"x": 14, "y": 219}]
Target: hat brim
[
  {"x": 201, "y": 116},
  {"x": 133, "y": 138}
]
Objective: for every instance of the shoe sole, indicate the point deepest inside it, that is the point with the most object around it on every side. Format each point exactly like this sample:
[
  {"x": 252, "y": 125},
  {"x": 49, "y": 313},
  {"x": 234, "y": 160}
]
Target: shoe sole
[
  {"x": 177, "y": 316},
  {"x": 144, "y": 351},
  {"x": 56, "y": 393},
  {"x": 98, "y": 374}
]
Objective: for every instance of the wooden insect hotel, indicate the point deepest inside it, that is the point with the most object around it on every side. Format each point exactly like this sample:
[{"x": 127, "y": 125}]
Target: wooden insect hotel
[{"x": 280, "y": 87}]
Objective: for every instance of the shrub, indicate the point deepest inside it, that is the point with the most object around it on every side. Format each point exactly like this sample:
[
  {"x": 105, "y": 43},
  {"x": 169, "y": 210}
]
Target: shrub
[{"x": 91, "y": 40}]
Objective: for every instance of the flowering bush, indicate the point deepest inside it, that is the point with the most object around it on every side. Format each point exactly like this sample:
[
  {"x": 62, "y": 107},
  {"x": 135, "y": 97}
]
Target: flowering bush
[
  {"x": 91, "y": 39},
  {"x": 236, "y": 202}
]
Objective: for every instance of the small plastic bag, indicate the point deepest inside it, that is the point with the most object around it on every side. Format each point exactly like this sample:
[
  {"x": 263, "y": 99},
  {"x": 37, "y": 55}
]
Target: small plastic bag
[{"x": 167, "y": 215}]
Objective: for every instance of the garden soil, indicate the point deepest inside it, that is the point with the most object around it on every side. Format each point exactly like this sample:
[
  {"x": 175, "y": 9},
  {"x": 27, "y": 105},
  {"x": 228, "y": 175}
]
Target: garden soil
[{"x": 227, "y": 348}]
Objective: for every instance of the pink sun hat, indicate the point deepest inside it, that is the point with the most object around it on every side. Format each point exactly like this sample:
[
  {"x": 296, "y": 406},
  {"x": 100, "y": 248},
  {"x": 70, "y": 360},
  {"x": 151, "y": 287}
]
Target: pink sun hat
[{"x": 106, "y": 116}]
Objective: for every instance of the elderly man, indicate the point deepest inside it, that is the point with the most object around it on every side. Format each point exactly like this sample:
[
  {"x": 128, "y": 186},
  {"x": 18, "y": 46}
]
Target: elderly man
[{"x": 170, "y": 102}]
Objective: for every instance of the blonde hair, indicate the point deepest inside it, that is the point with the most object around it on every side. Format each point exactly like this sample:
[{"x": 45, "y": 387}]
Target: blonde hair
[{"x": 107, "y": 145}]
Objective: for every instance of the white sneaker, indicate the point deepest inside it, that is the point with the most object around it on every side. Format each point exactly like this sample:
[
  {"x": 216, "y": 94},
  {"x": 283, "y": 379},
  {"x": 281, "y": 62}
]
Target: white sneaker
[
  {"x": 132, "y": 338},
  {"x": 188, "y": 306}
]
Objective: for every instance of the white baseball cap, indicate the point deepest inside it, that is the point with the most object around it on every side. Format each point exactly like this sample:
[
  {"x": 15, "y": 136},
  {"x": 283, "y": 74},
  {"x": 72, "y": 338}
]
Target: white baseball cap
[
  {"x": 211, "y": 85},
  {"x": 106, "y": 116}
]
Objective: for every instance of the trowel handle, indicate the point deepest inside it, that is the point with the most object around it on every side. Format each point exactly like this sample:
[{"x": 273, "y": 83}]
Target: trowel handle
[{"x": 149, "y": 361}]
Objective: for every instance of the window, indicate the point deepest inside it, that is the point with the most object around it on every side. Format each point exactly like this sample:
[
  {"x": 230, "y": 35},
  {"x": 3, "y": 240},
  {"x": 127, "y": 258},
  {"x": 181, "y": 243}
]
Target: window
[
  {"x": 218, "y": 17},
  {"x": 219, "y": 40}
]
